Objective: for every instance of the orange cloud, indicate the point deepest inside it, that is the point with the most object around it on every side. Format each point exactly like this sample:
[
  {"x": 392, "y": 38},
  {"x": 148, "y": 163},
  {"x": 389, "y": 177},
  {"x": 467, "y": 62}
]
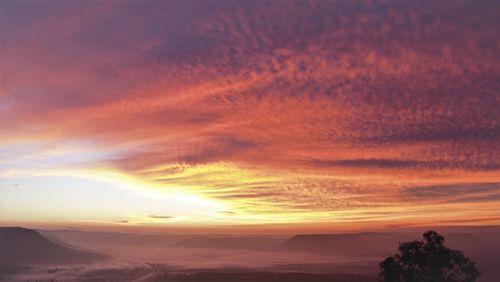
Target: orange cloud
[{"x": 269, "y": 107}]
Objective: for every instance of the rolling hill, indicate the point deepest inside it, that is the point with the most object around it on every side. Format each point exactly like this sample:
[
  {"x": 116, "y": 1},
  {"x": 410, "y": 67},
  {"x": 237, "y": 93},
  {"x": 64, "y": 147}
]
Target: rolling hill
[{"x": 25, "y": 246}]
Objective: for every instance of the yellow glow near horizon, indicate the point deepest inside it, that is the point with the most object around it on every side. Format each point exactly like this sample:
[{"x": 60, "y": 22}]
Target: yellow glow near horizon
[{"x": 334, "y": 115}]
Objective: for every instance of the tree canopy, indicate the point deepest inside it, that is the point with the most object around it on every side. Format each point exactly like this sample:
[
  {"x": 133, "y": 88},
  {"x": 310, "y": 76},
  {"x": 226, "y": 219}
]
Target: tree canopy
[{"x": 428, "y": 260}]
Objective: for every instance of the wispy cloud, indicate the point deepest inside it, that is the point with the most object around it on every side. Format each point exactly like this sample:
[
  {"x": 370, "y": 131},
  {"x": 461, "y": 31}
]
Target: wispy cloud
[
  {"x": 471, "y": 192},
  {"x": 155, "y": 216},
  {"x": 266, "y": 106}
]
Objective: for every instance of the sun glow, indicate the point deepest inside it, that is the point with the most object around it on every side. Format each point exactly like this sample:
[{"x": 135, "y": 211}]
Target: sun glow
[{"x": 334, "y": 114}]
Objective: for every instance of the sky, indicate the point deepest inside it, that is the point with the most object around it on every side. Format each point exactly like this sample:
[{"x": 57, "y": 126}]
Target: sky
[{"x": 293, "y": 115}]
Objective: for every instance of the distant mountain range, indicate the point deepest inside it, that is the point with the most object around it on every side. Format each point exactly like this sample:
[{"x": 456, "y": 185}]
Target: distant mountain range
[
  {"x": 20, "y": 246},
  {"x": 372, "y": 244},
  {"x": 25, "y": 246},
  {"x": 352, "y": 244}
]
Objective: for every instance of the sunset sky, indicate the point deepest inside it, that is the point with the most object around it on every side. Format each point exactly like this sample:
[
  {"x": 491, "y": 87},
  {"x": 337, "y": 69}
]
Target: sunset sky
[{"x": 323, "y": 115}]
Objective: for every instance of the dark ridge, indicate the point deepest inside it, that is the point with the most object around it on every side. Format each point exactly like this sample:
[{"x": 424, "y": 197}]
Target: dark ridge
[
  {"x": 25, "y": 246},
  {"x": 234, "y": 276},
  {"x": 367, "y": 243}
]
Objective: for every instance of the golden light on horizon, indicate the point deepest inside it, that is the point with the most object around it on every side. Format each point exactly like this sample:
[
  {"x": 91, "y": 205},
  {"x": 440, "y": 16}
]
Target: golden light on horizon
[{"x": 268, "y": 114}]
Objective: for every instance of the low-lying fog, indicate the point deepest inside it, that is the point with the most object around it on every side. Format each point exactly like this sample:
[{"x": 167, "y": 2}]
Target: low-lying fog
[
  {"x": 143, "y": 257},
  {"x": 200, "y": 252}
]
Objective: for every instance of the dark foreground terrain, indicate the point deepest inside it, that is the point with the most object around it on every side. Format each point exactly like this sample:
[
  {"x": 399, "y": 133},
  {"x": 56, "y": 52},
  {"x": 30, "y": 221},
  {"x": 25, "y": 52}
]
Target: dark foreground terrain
[
  {"x": 163, "y": 273},
  {"x": 73, "y": 255},
  {"x": 261, "y": 277},
  {"x": 25, "y": 246}
]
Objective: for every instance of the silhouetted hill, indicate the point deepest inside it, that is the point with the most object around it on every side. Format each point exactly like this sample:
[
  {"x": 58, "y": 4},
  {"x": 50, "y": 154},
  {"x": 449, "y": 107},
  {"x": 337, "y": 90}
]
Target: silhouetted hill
[
  {"x": 461, "y": 239},
  {"x": 25, "y": 246},
  {"x": 347, "y": 243},
  {"x": 139, "y": 275}
]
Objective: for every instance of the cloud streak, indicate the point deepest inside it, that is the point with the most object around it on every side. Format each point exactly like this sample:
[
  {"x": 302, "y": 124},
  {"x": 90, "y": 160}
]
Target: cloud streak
[{"x": 269, "y": 106}]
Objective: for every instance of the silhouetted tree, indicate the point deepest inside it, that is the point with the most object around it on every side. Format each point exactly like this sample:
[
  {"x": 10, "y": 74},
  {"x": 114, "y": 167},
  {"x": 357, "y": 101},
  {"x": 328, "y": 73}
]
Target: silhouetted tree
[{"x": 428, "y": 260}]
